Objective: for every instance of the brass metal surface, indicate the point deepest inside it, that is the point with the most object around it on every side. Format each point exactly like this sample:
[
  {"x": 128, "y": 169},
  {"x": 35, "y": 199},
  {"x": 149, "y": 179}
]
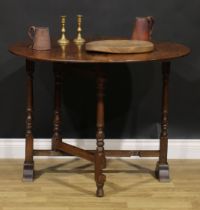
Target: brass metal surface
[
  {"x": 79, "y": 39},
  {"x": 63, "y": 40}
]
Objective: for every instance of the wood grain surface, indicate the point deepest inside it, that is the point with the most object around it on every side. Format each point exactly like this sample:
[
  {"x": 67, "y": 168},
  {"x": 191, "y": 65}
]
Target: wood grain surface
[
  {"x": 120, "y": 46},
  {"x": 73, "y": 53}
]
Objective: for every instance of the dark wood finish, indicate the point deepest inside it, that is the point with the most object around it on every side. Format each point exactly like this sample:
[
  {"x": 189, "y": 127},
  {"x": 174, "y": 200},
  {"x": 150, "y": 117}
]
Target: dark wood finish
[
  {"x": 28, "y": 172},
  {"x": 57, "y": 111},
  {"x": 71, "y": 53},
  {"x": 50, "y": 153},
  {"x": 100, "y": 160},
  {"x": 130, "y": 153},
  {"x": 108, "y": 153},
  {"x": 75, "y": 151},
  {"x": 162, "y": 169}
]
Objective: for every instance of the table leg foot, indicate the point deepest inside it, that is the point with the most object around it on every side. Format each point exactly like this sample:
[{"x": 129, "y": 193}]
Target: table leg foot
[
  {"x": 100, "y": 178},
  {"x": 100, "y": 184},
  {"x": 28, "y": 172},
  {"x": 162, "y": 172}
]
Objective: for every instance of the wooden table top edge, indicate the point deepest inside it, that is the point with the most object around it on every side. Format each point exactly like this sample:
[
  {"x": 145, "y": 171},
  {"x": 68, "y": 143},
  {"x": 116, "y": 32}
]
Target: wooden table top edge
[{"x": 22, "y": 49}]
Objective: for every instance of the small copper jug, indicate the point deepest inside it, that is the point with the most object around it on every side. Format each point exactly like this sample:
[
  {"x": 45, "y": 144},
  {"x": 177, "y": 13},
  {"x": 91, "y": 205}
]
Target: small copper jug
[
  {"x": 40, "y": 37},
  {"x": 143, "y": 28}
]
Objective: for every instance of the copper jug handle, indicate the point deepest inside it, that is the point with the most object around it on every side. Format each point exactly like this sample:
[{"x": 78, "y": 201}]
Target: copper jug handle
[
  {"x": 151, "y": 22},
  {"x": 31, "y": 32}
]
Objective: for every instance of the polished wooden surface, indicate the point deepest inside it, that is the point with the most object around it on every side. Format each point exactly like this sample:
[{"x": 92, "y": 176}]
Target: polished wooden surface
[
  {"x": 108, "y": 153},
  {"x": 100, "y": 159},
  {"x": 68, "y": 184},
  {"x": 73, "y": 53},
  {"x": 29, "y": 163},
  {"x": 57, "y": 107},
  {"x": 162, "y": 168}
]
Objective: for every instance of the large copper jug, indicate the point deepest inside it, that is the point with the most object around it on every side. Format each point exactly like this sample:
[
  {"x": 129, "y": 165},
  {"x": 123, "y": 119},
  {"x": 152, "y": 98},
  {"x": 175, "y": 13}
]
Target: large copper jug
[{"x": 143, "y": 28}]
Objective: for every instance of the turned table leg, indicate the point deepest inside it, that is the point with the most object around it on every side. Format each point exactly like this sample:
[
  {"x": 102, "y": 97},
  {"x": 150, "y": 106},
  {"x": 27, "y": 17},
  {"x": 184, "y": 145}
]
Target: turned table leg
[
  {"x": 29, "y": 163},
  {"x": 100, "y": 160},
  {"x": 162, "y": 168},
  {"x": 57, "y": 107}
]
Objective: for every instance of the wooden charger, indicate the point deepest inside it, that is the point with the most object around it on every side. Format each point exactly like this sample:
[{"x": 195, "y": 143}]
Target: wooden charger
[{"x": 120, "y": 46}]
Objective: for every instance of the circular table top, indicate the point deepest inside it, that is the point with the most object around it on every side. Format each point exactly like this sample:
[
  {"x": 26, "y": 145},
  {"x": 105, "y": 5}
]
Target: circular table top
[{"x": 73, "y": 53}]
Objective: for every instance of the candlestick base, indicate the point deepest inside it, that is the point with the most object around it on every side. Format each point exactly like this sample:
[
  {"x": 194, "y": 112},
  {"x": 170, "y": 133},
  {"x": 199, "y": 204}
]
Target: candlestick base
[
  {"x": 63, "y": 40},
  {"x": 79, "y": 40}
]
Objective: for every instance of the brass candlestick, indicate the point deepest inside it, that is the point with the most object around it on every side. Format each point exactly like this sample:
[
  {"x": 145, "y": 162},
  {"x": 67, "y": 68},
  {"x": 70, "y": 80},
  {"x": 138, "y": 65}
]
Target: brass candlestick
[
  {"x": 79, "y": 38},
  {"x": 63, "y": 39}
]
